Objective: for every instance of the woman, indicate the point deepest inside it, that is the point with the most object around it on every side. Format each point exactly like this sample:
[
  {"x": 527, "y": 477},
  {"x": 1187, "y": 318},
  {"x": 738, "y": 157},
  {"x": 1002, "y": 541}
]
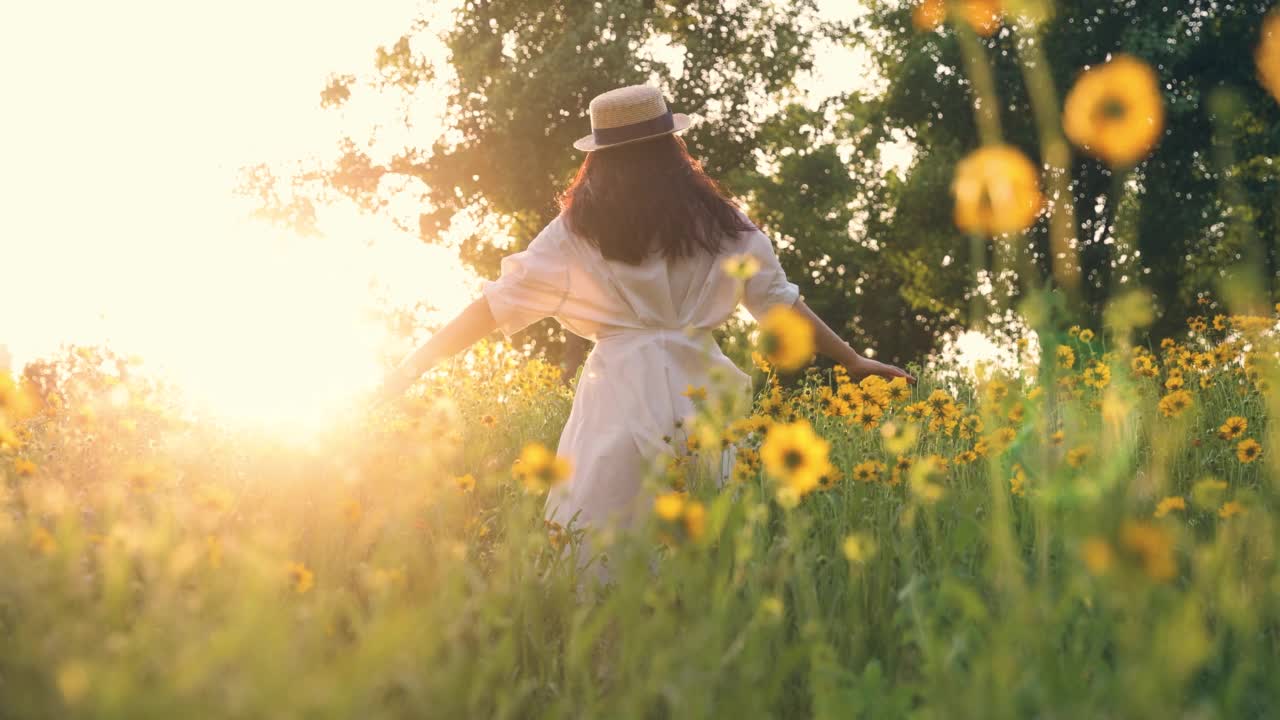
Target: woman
[{"x": 634, "y": 263}]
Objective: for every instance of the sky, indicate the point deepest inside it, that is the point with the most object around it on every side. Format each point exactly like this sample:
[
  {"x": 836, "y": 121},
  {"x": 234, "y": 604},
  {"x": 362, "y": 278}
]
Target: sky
[{"x": 125, "y": 126}]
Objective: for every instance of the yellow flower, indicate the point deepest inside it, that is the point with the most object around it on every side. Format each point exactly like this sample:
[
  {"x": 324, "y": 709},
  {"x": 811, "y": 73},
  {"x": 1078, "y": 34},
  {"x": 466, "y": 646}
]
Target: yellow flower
[
  {"x": 1208, "y": 492},
  {"x": 997, "y": 191},
  {"x": 795, "y": 455},
  {"x": 928, "y": 15},
  {"x": 73, "y": 681},
  {"x": 1267, "y": 58},
  {"x": 1097, "y": 555},
  {"x": 867, "y": 471},
  {"x": 1086, "y": 335},
  {"x": 858, "y": 548},
  {"x": 1234, "y": 427},
  {"x": 301, "y": 579},
  {"x": 669, "y": 506},
  {"x": 740, "y": 267},
  {"x": 42, "y": 541},
  {"x": 539, "y": 469},
  {"x": 465, "y": 483},
  {"x": 695, "y": 519},
  {"x": 897, "y": 390},
  {"x": 1115, "y": 111},
  {"x": 1154, "y": 547},
  {"x": 1144, "y": 366},
  {"x": 917, "y": 411},
  {"x": 786, "y": 338},
  {"x": 1173, "y": 404},
  {"x": 867, "y": 416},
  {"x": 830, "y": 478},
  {"x": 24, "y": 467},
  {"x": 696, "y": 394},
  {"x": 1017, "y": 483},
  {"x": 1066, "y": 357},
  {"x": 1078, "y": 456},
  {"x": 1248, "y": 450},
  {"x": 1170, "y": 504},
  {"x": 981, "y": 15},
  {"x": 1230, "y": 509}
]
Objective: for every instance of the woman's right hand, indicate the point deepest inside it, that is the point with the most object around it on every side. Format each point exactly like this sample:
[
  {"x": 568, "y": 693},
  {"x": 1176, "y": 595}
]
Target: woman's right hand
[{"x": 860, "y": 367}]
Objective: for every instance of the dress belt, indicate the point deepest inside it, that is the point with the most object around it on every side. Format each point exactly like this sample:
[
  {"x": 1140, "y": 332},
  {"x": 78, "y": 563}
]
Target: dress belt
[{"x": 688, "y": 334}]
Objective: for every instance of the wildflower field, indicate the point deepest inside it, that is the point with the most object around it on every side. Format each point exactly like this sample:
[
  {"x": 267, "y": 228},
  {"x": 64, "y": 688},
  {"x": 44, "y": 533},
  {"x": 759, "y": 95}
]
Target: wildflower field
[
  {"x": 1095, "y": 538},
  {"x": 1087, "y": 528}
]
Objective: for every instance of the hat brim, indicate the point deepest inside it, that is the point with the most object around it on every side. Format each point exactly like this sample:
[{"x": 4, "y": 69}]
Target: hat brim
[{"x": 680, "y": 121}]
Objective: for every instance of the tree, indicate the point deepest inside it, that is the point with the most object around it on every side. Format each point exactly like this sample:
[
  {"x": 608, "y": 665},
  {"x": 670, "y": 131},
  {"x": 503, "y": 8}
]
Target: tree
[
  {"x": 519, "y": 76},
  {"x": 1178, "y": 208}
]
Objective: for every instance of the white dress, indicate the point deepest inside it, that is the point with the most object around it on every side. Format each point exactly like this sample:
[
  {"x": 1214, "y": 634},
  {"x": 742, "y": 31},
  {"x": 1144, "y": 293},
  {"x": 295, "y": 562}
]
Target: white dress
[{"x": 651, "y": 324}]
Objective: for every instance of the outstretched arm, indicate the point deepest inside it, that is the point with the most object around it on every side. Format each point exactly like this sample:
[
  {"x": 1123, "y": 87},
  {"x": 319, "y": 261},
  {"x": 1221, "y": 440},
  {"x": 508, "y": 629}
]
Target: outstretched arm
[
  {"x": 830, "y": 344},
  {"x": 462, "y": 332}
]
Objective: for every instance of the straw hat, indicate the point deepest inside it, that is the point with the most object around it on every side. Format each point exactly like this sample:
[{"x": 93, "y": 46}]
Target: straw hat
[{"x": 627, "y": 115}]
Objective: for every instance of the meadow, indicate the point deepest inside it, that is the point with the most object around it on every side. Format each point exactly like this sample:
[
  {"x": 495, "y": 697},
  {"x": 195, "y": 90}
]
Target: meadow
[
  {"x": 1086, "y": 529},
  {"x": 1093, "y": 536}
]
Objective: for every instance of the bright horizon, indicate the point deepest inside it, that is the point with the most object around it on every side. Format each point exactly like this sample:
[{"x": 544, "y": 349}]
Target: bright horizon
[{"x": 121, "y": 227}]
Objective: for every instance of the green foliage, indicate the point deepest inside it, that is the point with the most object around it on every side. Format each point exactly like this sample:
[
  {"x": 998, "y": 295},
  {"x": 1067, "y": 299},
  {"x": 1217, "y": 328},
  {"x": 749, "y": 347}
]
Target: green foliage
[
  {"x": 240, "y": 577},
  {"x": 1180, "y": 210}
]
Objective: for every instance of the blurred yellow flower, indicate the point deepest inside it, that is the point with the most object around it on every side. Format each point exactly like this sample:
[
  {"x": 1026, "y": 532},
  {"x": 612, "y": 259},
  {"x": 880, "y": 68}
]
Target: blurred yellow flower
[
  {"x": 73, "y": 681},
  {"x": 795, "y": 455},
  {"x": 1267, "y": 55},
  {"x": 539, "y": 469},
  {"x": 1076, "y": 457},
  {"x": 786, "y": 338},
  {"x": 997, "y": 191},
  {"x": 1208, "y": 492},
  {"x": 1248, "y": 450},
  {"x": 858, "y": 548},
  {"x": 301, "y": 578},
  {"x": 695, "y": 519},
  {"x": 740, "y": 267},
  {"x": 669, "y": 506},
  {"x": 1230, "y": 509},
  {"x": 1017, "y": 483},
  {"x": 465, "y": 483},
  {"x": 1097, "y": 555},
  {"x": 1154, "y": 547},
  {"x": 929, "y": 15},
  {"x": 1066, "y": 357},
  {"x": 696, "y": 394},
  {"x": 981, "y": 15},
  {"x": 24, "y": 467},
  {"x": 1173, "y": 404},
  {"x": 1115, "y": 111},
  {"x": 42, "y": 541},
  {"x": 1170, "y": 504}
]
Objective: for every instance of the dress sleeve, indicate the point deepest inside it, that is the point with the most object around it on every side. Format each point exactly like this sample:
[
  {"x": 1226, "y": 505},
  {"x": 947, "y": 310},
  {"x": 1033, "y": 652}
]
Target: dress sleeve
[
  {"x": 769, "y": 286},
  {"x": 534, "y": 282}
]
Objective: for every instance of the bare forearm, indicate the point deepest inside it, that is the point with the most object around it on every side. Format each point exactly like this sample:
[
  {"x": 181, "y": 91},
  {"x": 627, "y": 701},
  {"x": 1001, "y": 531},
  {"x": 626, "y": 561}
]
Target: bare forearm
[
  {"x": 834, "y": 347},
  {"x": 827, "y": 341},
  {"x": 472, "y": 324}
]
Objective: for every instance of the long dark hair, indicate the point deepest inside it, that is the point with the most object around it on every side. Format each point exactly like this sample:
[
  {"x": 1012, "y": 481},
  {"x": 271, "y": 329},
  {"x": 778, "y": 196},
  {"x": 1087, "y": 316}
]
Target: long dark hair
[{"x": 634, "y": 200}]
